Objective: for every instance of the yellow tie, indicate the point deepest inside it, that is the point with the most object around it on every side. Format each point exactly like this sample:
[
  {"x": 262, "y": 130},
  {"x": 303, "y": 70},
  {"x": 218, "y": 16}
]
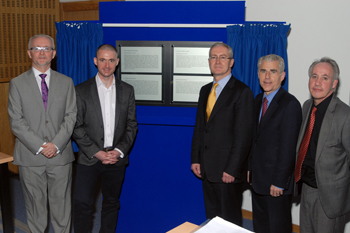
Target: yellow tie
[{"x": 211, "y": 100}]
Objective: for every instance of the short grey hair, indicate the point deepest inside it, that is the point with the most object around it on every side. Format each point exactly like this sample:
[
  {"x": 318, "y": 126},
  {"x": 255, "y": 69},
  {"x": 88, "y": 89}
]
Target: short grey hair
[
  {"x": 272, "y": 57},
  {"x": 218, "y": 44},
  {"x": 331, "y": 62},
  {"x": 41, "y": 35}
]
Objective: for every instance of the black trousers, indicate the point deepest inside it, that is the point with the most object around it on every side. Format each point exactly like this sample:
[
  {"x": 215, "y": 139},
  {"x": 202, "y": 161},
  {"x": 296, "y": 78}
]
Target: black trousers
[
  {"x": 272, "y": 214},
  {"x": 85, "y": 183},
  {"x": 223, "y": 200}
]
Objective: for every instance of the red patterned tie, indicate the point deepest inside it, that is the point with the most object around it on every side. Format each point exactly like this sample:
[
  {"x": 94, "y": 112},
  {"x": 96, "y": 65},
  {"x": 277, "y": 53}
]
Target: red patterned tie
[
  {"x": 304, "y": 146},
  {"x": 264, "y": 108},
  {"x": 44, "y": 89}
]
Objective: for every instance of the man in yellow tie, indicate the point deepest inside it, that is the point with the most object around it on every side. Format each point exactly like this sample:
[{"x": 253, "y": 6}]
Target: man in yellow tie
[{"x": 222, "y": 137}]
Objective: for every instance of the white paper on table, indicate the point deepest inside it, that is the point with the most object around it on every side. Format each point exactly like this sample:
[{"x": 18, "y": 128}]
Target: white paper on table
[{"x": 219, "y": 225}]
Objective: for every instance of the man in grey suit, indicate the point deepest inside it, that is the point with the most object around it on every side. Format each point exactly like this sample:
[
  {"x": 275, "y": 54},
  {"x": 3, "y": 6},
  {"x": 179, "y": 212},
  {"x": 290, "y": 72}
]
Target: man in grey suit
[
  {"x": 42, "y": 111},
  {"x": 323, "y": 153},
  {"x": 105, "y": 133}
]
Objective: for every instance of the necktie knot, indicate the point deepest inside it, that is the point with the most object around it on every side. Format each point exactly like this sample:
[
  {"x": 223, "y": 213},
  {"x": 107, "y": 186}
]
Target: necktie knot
[
  {"x": 43, "y": 76},
  {"x": 314, "y": 109}
]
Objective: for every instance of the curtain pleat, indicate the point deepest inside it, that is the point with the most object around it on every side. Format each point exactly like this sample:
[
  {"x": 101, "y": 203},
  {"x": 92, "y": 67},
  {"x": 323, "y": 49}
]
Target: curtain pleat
[
  {"x": 76, "y": 48},
  {"x": 251, "y": 41}
]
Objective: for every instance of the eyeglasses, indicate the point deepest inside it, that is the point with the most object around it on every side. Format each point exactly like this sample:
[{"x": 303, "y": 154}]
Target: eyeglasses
[
  {"x": 221, "y": 58},
  {"x": 38, "y": 49}
]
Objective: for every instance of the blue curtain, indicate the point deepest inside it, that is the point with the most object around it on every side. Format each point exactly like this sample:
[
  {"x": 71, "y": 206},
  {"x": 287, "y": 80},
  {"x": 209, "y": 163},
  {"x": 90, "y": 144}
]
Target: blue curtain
[
  {"x": 251, "y": 41},
  {"x": 76, "y": 48}
]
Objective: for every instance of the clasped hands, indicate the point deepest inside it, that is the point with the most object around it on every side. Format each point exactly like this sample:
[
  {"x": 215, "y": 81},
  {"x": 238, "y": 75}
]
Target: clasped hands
[
  {"x": 110, "y": 157},
  {"x": 49, "y": 150}
]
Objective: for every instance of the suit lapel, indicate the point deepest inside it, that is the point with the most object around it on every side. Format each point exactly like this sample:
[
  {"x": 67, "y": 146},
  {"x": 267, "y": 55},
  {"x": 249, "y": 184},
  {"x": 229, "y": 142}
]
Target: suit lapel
[
  {"x": 54, "y": 82},
  {"x": 33, "y": 84},
  {"x": 225, "y": 94},
  {"x": 204, "y": 102},
  {"x": 258, "y": 104},
  {"x": 325, "y": 127},
  {"x": 272, "y": 107},
  {"x": 118, "y": 102},
  {"x": 96, "y": 100},
  {"x": 306, "y": 110}
]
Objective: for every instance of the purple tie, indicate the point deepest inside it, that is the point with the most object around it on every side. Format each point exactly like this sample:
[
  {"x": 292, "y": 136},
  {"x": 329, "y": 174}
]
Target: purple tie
[{"x": 44, "y": 89}]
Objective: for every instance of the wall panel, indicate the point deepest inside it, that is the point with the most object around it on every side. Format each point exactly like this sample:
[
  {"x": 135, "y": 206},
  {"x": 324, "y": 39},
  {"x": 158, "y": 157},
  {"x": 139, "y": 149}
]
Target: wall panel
[{"x": 21, "y": 19}]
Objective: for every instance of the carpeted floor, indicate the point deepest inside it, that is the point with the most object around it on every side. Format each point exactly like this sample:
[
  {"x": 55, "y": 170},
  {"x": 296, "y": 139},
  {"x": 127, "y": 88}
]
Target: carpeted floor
[{"x": 18, "y": 209}]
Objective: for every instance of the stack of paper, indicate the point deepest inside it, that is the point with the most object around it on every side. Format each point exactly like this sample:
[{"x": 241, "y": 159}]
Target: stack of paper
[{"x": 219, "y": 225}]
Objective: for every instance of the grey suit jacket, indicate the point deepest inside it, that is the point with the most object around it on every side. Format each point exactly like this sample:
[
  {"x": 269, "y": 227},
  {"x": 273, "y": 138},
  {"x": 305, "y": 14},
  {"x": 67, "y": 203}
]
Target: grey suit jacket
[
  {"x": 32, "y": 125},
  {"x": 332, "y": 162},
  {"x": 89, "y": 131}
]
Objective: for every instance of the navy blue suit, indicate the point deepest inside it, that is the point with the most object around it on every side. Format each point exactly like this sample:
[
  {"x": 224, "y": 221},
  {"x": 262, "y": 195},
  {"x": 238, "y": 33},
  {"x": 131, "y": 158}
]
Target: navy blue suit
[{"x": 272, "y": 160}]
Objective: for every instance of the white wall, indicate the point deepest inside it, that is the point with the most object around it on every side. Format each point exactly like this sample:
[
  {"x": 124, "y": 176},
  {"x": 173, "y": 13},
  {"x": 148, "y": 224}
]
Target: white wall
[{"x": 318, "y": 28}]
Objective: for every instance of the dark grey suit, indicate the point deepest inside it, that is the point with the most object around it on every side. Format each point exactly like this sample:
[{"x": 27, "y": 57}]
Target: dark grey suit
[
  {"x": 33, "y": 126},
  {"x": 332, "y": 162},
  {"x": 89, "y": 136}
]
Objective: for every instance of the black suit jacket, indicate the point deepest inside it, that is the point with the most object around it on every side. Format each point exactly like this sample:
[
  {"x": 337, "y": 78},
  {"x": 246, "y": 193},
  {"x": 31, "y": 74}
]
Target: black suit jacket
[
  {"x": 222, "y": 144},
  {"x": 89, "y": 131},
  {"x": 272, "y": 157}
]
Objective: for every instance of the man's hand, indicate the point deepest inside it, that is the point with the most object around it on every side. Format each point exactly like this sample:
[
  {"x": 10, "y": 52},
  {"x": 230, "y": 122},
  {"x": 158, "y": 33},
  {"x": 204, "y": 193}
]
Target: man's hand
[
  {"x": 110, "y": 157},
  {"x": 248, "y": 173},
  {"x": 196, "y": 169},
  {"x": 101, "y": 155},
  {"x": 113, "y": 156},
  {"x": 49, "y": 150},
  {"x": 226, "y": 178},
  {"x": 275, "y": 192}
]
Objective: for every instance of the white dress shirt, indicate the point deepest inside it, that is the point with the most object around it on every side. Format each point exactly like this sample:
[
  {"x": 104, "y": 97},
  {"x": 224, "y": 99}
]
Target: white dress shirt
[{"x": 107, "y": 98}]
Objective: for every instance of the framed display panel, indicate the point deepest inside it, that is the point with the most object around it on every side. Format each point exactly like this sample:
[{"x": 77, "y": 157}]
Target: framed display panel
[{"x": 165, "y": 73}]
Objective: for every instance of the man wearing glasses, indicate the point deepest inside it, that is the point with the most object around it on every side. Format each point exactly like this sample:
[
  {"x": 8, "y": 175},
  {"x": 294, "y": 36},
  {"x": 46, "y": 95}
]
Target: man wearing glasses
[
  {"x": 42, "y": 111},
  {"x": 222, "y": 137}
]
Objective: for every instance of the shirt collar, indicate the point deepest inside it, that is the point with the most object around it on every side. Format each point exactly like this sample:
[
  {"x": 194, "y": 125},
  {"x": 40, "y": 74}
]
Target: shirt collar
[
  {"x": 322, "y": 107},
  {"x": 37, "y": 72},
  {"x": 222, "y": 83},
  {"x": 271, "y": 95},
  {"x": 99, "y": 82}
]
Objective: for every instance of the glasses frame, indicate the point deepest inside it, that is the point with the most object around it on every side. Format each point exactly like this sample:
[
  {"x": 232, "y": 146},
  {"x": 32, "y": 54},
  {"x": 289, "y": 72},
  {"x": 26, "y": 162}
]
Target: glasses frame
[
  {"x": 39, "y": 49},
  {"x": 220, "y": 58}
]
